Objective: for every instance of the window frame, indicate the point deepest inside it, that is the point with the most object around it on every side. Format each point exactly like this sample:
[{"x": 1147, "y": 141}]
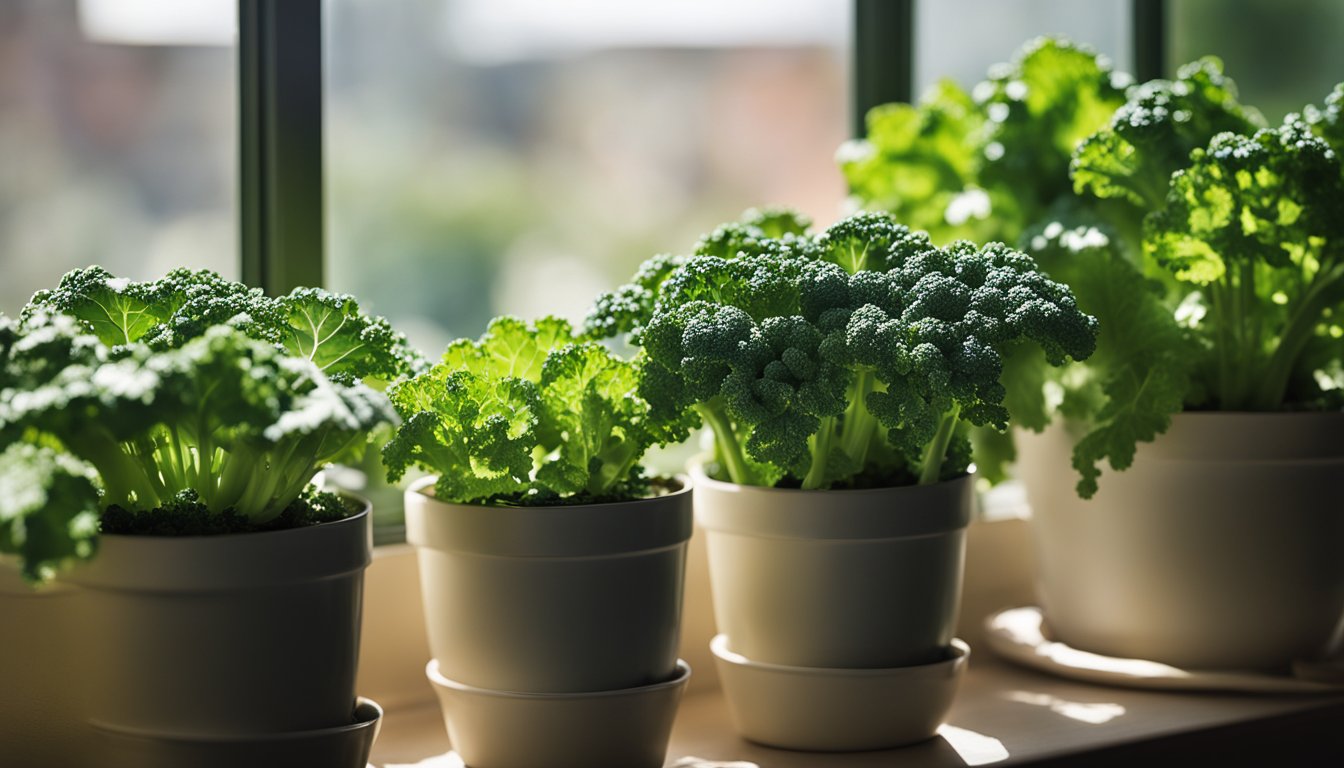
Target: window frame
[{"x": 281, "y": 211}]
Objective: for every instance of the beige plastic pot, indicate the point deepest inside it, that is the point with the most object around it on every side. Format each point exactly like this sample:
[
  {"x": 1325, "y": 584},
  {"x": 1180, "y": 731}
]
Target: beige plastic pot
[
  {"x": 232, "y": 635},
  {"x": 836, "y": 579},
  {"x": 41, "y": 657},
  {"x": 552, "y": 599},
  {"x": 625, "y": 728},
  {"x": 1219, "y": 548}
]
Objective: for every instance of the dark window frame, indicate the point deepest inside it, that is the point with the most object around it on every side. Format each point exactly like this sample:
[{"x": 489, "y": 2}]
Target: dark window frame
[{"x": 281, "y": 194}]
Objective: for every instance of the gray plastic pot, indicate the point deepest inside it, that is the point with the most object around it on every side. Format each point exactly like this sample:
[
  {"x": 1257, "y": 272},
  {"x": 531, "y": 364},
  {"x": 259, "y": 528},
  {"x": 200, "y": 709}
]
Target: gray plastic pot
[
  {"x": 231, "y": 635},
  {"x": 1219, "y": 548},
  {"x": 552, "y": 599},
  {"x": 838, "y": 579},
  {"x": 41, "y": 658}
]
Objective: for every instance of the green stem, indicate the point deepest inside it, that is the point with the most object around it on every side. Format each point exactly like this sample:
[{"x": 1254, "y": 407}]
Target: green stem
[
  {"x": 859, "y": 424},
  {"x": 937, "y": 451},
  {"x": 1296, "y": 333},
  {"x": 730, "y": 449},
  {"x": 821, "y": 454},
  {"x": 125, "y": 482},
  {"x": 1223, "y": 344},
  {"x": 615, "y": 465}
]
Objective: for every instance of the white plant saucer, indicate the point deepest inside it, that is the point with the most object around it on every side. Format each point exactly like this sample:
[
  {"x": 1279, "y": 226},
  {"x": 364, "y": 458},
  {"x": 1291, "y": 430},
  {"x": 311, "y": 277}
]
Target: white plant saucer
[
  {"x": 838, "y": 710},
  {"x": 1021, "y": 635}
]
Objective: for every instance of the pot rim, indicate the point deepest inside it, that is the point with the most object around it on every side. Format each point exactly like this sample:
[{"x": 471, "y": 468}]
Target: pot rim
[
  {"x": 702, "y": 478},
  {"x": 679, "y": 678},
  {"x": 1247, "y": 437},
  {"x": 366, "y": 714},
  {"x": 425, "y": 487},
  {"x": 958, "y": 652},
  {"x": 225, "y": 562},
  {"x": 900, "y": 512},
  {"x": 609, "y": 529}
]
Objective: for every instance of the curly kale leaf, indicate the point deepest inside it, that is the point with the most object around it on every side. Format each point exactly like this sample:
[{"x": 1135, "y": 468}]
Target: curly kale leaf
[
  {"x": 163, "y": 313},
  {"x": 1140, "y": 374},
  {"x": 227, "y": 416},
  {"x": 529, "y": 412},
  {"x": 477, "y": 432},
  {"x": 1256, "y": 225},
  {"x": 48, "y": 509},
  {"x": 593, "y": 421},
  {"x": 1040, "y": 108},
  {"x": 327, "y": 328},
  {"x": 347, "y": 345},
  {"x": 922, "y": 163},
  {"x": 1152, "y": 135}
]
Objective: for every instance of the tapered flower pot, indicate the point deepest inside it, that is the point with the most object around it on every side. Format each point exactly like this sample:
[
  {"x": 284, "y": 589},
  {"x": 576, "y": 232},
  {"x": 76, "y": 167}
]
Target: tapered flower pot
[
  {"x": 1218, "y": 548},
  {"x": 836, "y": 579},
  {"x": 552, "y": 599},
  {"x": 224, "y": 636},
  {"x": 41, "y": 669}
]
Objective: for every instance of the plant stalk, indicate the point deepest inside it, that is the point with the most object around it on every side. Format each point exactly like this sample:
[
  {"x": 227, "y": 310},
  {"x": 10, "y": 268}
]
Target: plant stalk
[
  {"x": 937, "y": 449},
  {"x": 730, "y": 449}
]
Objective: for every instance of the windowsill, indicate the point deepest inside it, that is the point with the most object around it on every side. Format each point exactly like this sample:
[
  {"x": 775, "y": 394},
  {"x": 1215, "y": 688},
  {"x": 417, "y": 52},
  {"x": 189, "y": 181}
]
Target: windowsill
[{"x": 1003, "y": 716}]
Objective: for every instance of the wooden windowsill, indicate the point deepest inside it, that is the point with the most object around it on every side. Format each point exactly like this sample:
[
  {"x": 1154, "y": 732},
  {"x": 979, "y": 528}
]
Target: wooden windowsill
[{"x": 1003, "y": 716}]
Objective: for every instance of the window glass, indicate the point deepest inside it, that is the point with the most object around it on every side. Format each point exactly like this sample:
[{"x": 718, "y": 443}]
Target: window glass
[
  {"x": 1283, "y": 54},
  {"x": 518, "y": 156},
  {"x": 117, "y": 139},
  {"x": 961, "y": 39}
]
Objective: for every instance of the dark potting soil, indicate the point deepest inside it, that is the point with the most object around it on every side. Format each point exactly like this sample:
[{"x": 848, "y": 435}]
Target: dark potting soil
[{"x": 187, "y": 516}]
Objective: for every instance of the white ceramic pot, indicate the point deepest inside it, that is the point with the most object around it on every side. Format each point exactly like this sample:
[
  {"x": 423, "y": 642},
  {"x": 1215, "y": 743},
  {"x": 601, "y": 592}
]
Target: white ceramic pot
[
  {"x": 836, "y": 579},
  {"x": 42, "y": 652},
  {"x": 1219, "y": 548},
  {"x": 231, "y": 635},
  {"x": 552, "y": 599}
]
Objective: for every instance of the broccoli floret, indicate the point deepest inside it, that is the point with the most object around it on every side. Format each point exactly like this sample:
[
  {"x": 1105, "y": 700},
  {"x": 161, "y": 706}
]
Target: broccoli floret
[
  {"x": 1328, "y": 122},
  {"x": 806, "y": 361}
]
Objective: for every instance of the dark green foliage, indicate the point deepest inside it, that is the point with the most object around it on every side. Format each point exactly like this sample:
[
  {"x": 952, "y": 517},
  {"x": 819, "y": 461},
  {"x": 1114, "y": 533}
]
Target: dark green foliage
[
  {"x": 1152, "y": 135},
  {"x": 815, "y": 360},
  {"x": 1256, "y": 224},
  {"x": 326, "y": 328},
  {"x": 193, "y": 386},
  {"x": 48, "y": 509},
  {"x": 985, "y": 165}
]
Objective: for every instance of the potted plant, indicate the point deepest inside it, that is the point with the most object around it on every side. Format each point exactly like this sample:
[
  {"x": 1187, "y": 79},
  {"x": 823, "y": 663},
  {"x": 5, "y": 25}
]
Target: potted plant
[
  {"x": 1206, "y": 246},
  {"x": 224, "y": 594},
  {"x": 551, "y": 566},
  {"x": 1226, "y": 357},
  {"x": 838, "y": 374}
]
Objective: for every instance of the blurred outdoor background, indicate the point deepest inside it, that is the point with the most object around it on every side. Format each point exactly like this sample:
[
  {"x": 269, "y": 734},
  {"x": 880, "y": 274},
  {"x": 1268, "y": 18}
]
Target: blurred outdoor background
[{"x": 488, "y": 156}]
